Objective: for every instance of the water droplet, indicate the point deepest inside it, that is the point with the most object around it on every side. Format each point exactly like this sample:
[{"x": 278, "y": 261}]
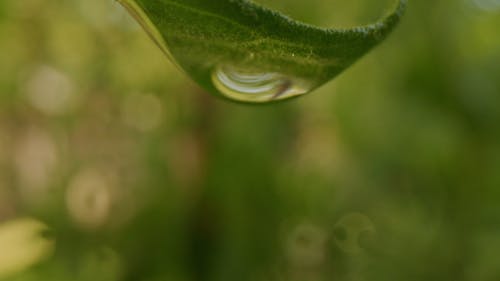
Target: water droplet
[{"x": 257, "y": 87}]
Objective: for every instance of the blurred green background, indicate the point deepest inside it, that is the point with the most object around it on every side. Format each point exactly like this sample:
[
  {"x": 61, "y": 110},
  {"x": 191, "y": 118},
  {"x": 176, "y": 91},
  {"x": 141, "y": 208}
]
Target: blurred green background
[{"x": 115, "y": 166}]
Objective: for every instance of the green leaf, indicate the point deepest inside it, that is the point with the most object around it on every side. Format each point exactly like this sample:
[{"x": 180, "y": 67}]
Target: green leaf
[{"x": 248, "y": 53}]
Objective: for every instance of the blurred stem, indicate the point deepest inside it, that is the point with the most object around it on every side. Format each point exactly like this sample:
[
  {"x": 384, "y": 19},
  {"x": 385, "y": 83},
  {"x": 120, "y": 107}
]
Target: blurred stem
[{"x": 202, "y": 221}]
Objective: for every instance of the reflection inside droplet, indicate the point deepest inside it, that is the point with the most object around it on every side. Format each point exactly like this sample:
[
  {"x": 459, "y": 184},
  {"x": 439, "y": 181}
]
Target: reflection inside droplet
[{"x": 256, "y": 87}]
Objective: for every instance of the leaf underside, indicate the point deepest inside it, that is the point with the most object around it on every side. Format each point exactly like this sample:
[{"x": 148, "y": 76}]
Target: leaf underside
[{"x": 204, "y": 36}]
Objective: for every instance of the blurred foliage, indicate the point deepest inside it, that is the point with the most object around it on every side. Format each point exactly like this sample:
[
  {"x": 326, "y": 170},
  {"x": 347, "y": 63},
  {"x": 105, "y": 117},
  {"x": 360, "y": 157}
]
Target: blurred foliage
[{"x": 140, "y": 175}]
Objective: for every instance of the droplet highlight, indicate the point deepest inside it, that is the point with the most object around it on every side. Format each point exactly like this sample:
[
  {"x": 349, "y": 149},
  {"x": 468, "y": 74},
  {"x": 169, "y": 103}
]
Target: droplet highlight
[{"x": 256, "y": 87}]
